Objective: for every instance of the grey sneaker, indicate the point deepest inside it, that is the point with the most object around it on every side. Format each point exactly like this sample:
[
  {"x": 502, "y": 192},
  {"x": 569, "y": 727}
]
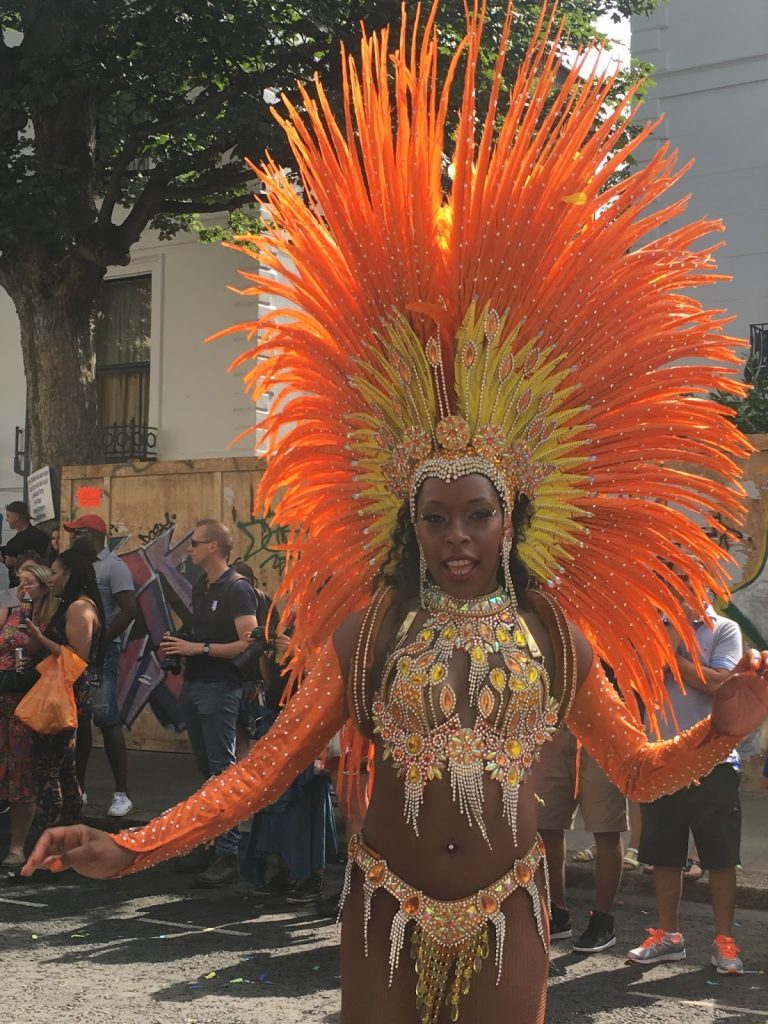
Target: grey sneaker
[
  {"x": 121, "y": 805},
  {"x": 725, "y": 956},
  {"x": 658, "y": 947}
]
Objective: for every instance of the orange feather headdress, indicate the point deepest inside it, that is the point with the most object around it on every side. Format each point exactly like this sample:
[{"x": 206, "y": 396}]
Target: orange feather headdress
[{"x": 524, "y": 310}]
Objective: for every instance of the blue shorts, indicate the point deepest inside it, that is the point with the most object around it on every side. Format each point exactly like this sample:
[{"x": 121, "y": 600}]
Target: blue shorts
[{"x": 104, "y": 689}]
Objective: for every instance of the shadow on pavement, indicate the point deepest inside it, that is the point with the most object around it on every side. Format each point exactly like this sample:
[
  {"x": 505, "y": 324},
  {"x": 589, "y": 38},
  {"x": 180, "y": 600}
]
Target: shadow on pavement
[{"x": 589, "y": 997}]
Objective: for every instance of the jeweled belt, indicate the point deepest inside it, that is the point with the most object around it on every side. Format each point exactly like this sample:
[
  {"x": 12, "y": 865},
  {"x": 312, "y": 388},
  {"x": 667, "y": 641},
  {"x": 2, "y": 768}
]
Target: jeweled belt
[{"x": 451, "y": 937}]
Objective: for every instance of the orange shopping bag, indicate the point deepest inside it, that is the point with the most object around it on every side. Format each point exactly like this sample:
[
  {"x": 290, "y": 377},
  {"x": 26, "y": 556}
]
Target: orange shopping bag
[{"x": 50, "y": 705}]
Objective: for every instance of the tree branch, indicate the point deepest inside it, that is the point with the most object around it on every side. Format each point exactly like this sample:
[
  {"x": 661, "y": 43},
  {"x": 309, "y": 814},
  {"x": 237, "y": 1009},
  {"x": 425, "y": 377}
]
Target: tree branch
[{"x": 112, "y": 196}]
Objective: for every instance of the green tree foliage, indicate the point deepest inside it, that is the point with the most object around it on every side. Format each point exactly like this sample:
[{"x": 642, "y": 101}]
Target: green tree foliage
[
  {"x": 752, "y": 409},
  {"x": 121, "y": 114}
]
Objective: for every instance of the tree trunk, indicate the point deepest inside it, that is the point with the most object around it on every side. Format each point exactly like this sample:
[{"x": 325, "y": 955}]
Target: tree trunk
[{"x": 55, "y": 306}]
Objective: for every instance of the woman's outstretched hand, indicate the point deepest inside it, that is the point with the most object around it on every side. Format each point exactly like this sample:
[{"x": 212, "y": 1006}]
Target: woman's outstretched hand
[
  {"x": 740, "y": 704},
  {"x": 90, "y": 852}
]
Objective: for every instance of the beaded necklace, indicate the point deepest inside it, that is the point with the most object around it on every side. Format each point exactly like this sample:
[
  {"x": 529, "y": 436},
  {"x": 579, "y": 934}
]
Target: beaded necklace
[{"x": 508, "y": 691}]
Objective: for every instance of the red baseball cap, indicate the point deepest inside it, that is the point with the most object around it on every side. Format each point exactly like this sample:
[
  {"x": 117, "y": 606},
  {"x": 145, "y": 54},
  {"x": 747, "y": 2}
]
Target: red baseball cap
[{"x": 95, "y": 523}]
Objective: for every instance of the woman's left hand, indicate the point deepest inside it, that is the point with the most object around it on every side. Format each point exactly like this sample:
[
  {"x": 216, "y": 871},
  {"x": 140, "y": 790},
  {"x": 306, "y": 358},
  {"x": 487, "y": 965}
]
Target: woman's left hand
[
  {"x": 740, "y": 704},
  {"x": 33, "y": 630}
]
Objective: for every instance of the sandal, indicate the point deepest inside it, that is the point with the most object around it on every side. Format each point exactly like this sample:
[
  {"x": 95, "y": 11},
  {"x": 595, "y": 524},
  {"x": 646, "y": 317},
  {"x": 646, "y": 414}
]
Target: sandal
[
  {"x": 693, "y": 869},
  {"x": 584, "y": 856},
  {"x": 629, "y": 859}
]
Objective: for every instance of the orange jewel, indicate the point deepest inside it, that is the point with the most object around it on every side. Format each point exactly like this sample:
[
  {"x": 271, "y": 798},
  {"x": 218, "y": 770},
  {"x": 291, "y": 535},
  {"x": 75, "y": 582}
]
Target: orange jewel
[
  {"x": 488, "y": 903},
  {"x": 523, "y": 873},
  {"x": 376, "y": 873},
  {"x": 410, "y": 905},
  {"x": 447, "y": 700},
  {"x": 486, "y": 703}
]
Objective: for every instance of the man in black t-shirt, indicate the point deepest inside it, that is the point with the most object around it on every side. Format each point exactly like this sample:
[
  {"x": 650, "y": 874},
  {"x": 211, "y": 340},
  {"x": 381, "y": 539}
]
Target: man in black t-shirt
[
  {"x": 224, "y": 609},
  {"x": 28, "y": 538}
]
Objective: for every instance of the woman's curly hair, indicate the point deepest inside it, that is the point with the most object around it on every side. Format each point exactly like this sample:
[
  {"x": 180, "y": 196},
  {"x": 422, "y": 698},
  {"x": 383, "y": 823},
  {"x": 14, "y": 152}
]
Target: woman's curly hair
[{"x": 401, "y": 566}]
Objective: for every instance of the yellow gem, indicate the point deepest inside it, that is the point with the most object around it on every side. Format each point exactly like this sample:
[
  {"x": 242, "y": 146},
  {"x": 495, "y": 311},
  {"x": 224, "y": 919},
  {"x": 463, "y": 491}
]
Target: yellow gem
[
  {"x": 414, "y": 773},
  {"x": 438, "y": 673},
  {"x": 516, "y": 684},
  {"x": 502, "y": 635},
  {"x": 520, "y": 638},
  {"x": 498, "y": 678},
  {"x": 513, "y": 776},
  {"x": 449, "y": 633},
  {"x": 478, "y": 655},
  {"x": 425, "y": 636},
  {"x": 514, "y": 748},
  {"x": 533, "y": 674},
  {"x": 414, "y": 744},
  {"x": 403, "y": 665}
]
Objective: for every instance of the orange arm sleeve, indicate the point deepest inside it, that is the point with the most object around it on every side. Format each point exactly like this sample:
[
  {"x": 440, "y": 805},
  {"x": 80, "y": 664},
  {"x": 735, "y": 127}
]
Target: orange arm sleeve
[
  {"x": 642, "y": 769},
  {"x": 313, "y": 715}
]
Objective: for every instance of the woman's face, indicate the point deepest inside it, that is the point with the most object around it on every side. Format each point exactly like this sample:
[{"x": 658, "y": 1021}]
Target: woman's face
[
  {"x": 59, "y": 578},
  {"x": 460, "y": 526},
  {"x": 30, "y": 586},
  {"x": 55, "y": 534}
]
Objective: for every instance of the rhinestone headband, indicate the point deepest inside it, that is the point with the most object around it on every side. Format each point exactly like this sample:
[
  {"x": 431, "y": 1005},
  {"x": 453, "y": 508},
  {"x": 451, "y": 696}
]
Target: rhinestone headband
[{"x": 449, "y": 467}]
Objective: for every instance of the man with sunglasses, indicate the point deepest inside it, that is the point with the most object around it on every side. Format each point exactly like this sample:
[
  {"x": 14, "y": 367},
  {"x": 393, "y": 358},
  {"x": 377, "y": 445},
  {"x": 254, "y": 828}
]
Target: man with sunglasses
[{"x": 224, "y": 609}]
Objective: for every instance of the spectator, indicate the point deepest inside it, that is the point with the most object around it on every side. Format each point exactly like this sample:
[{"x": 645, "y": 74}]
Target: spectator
[
  {"x": 711, "y": 810},
  {"x": 54, "y": 544},
  {"x": 118, "y": 598},
  {"x": 16, "y": 778},
  {"x": 300, "y": 827},
  {"x": 631, "y": 861},
  {"x": 604, "y": 809},
  {"x": 248, "y": 727},
  {"x": 27, "y": 538},
  {"x": 15, "y": 737},
  {"x": 224, "y": 608},
  {"x": 78, "y": 623}
]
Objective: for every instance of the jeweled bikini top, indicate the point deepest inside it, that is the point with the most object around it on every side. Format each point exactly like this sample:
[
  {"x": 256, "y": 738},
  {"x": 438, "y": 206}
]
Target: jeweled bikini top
[{"x": 418, "y": 713}]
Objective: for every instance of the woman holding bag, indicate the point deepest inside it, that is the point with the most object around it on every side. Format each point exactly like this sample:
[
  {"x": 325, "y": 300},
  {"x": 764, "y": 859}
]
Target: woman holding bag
[
  {"x": 77, "y": 623},
  {"x": 16, "y": 769}
]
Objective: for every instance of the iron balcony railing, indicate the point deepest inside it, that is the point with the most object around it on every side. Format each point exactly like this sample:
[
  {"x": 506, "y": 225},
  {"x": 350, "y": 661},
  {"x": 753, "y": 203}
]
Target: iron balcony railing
[{"x": 129, "y": 442}]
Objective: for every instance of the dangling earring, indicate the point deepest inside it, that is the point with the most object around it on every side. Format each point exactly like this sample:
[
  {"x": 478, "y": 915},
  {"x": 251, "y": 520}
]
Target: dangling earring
[
  {"x": 506, "y": 551},
  {"x": 422, "y": 575}
]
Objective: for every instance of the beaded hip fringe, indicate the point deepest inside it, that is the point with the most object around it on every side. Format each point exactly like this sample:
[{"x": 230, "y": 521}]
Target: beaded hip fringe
[{"x": 451, "y": 938}]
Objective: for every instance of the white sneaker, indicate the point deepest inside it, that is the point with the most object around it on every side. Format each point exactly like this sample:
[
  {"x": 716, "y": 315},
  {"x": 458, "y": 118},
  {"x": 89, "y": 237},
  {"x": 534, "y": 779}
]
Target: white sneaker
[{"x": 121, "y": 804}]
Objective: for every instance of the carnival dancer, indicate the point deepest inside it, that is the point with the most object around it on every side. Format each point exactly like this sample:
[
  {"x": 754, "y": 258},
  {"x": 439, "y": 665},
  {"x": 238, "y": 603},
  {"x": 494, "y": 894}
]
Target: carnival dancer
[{"x": 490, "y": 439}]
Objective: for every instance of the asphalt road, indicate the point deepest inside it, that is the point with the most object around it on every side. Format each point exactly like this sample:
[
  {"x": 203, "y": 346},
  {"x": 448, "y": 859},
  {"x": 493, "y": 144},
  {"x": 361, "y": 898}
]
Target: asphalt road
[{"x": 151, "y": 950}]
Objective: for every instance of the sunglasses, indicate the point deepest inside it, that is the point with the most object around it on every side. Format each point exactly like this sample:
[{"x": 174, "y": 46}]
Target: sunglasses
[{"x": 196, "y": 543}]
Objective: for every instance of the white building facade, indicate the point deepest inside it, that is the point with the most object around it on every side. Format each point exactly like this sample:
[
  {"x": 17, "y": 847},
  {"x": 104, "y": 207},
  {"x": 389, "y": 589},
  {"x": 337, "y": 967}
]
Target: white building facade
[
  {"x": 711, "y": 74},
  {"x": 191, "y": 405}
]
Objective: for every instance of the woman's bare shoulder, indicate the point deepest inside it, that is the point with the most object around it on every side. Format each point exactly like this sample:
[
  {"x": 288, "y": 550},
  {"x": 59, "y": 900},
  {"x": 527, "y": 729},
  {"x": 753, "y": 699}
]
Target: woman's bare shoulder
[
  {"x": 346, "y": 637},
  {"x": 82, "y": 607},
  {"x": 541, "y": 635},
  {"x": 584, "y": 653}
]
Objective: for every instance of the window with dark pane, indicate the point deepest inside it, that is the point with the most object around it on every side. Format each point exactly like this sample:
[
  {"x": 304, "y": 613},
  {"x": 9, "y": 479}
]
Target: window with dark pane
[{"x": 121, "y": 334}]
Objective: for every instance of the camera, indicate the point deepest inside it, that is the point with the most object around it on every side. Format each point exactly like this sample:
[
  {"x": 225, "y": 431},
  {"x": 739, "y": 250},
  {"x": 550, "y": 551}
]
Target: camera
[
  {"x": 171, "y": 663},
  {"x": 247, "y": 663}
]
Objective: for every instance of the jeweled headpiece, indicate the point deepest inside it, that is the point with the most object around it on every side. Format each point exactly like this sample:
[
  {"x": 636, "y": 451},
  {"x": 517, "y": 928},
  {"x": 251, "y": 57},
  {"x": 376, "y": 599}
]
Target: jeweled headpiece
[{"x": 510, "y": 320}]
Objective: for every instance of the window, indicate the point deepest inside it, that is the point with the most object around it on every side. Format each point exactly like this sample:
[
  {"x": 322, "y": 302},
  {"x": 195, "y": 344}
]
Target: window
[
  {"x": 757, "y": 364},
  {"x": 121, "y": 335}
]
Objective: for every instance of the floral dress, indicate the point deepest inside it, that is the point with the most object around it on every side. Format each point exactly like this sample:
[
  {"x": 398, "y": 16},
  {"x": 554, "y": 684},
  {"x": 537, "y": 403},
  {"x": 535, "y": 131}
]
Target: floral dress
[{"x": 16, "y": 782}]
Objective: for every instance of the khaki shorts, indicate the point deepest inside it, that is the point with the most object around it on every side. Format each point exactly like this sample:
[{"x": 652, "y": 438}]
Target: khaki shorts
[{"x": 603, "y": 806}]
